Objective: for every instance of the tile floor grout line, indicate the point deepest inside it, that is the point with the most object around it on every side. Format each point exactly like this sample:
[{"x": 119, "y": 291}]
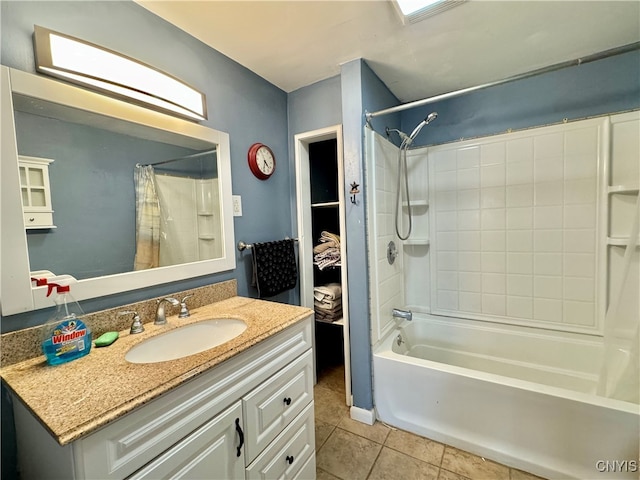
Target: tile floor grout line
[
  {"x": 374, "y": 462},
  {"x": 333, "y": 429}
]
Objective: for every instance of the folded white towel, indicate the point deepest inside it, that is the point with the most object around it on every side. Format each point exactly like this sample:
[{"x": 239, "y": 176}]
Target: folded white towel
[
  {"x": 331, "y": 291},
  {"x": 327, "y": 304}
]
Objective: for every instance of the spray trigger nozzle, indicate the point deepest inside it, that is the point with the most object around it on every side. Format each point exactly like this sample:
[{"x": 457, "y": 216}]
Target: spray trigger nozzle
[
  {"x": 59, "y": 288},
  {"x": 39, "y": 281}
]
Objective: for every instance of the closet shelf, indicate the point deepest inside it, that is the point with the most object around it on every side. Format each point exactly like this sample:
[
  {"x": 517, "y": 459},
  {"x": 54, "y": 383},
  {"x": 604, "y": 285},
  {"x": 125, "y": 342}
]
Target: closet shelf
[
  {"x": 328, "y": 267},
  {"x": 325, "y": 204},
  {"x": 340, "y": 322},
  {"x": 622, "y": 189}
]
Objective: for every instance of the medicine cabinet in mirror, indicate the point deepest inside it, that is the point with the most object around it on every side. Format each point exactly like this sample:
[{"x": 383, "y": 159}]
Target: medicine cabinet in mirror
[{"x": 113, "y": 232}]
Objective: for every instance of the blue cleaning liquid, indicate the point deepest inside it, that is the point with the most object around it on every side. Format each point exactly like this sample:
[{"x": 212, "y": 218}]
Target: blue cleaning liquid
[{"x": 69, "y": 340}]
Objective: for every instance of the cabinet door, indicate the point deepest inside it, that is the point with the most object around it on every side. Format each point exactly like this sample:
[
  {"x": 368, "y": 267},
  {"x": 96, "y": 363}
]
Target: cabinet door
[{"x": 210, "y": 452}]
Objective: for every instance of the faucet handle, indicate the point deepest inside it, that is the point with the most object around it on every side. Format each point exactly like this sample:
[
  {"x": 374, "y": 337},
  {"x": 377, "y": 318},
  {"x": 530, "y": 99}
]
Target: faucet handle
[
  {"x": 184, "y": 311},
  {"x": 136, "y": 326}
]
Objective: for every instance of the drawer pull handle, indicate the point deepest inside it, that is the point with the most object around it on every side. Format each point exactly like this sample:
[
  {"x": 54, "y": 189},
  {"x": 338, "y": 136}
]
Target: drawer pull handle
[
  {"x": 241, "y": 435},
  {"x": 32, "y": 219},
  {"x": 287, "y": 400},
  {"x": 289, "y": 459}
]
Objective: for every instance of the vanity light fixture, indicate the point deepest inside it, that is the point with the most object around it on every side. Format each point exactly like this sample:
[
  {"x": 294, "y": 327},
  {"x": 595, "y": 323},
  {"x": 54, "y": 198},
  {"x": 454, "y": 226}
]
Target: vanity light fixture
[
  {"x": 109, "y": 72},
  {"x": 413, "y": 11}
]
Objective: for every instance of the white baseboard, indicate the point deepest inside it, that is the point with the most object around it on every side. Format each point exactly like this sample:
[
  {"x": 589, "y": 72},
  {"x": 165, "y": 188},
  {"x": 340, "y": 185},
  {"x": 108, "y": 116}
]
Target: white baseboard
[{"x": 362, "y": 415}]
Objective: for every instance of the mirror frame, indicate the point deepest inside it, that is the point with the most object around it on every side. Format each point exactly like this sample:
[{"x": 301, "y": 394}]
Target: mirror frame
[{"x": 16, "y": 292}]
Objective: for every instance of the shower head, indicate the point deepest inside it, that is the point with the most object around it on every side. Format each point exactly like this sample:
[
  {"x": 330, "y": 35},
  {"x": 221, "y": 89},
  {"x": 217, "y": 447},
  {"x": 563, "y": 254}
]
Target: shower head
[
  {"x": 403, "y": 136},
  {"x": 430, "y": 118}
]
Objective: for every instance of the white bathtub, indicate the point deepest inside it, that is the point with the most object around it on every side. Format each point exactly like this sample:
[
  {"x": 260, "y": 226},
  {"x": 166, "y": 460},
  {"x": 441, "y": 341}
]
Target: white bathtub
[{"x": 517, "y": 396}]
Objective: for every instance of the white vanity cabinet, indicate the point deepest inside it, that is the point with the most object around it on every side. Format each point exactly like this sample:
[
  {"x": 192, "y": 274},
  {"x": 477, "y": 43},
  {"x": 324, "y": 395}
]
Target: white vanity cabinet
[{"x": 249, "y": 417}]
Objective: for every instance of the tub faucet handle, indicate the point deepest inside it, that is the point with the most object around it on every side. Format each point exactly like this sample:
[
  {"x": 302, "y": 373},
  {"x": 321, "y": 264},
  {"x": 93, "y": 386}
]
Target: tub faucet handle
[
  {"x": 184, "y": 311},
  {"x": 404, "y": 314}
]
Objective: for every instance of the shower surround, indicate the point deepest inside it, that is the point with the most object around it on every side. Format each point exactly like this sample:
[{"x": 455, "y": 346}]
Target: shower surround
[{"x": 515, "y": 259}]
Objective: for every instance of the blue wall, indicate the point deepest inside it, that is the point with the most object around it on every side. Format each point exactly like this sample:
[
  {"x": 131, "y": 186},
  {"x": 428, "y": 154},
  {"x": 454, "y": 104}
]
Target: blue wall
[
  {"x": 596, "y": 88},
  {"x": 310, "y": 108},
  {"x": 239, "y": 102},
  {"x": 362, "y": 91}
]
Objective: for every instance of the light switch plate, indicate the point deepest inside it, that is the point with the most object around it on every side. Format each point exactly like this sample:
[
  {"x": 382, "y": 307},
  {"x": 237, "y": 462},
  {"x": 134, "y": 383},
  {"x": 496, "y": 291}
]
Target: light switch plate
[{"x": 237, "y": 205}]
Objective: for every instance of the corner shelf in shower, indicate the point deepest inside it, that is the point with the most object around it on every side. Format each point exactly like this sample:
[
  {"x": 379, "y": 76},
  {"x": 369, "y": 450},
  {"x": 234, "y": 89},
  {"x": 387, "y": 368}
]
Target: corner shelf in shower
[
  {"x": 622, "y": 189},
  {"x": 620, "y": 241},
  {"x": 417, "y": 203},
  {"x": 416, "y": 241}
]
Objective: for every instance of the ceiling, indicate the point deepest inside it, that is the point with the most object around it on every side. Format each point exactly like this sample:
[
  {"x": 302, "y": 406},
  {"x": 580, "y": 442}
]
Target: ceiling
[{"x": 295, "y": 43}]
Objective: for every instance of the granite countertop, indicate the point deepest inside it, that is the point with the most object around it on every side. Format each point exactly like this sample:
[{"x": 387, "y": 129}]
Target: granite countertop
[{"x": 76, "y": 398}]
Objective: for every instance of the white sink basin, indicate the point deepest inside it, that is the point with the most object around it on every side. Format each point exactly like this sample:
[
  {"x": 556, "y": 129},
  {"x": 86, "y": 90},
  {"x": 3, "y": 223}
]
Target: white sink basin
[{"x": 184, "y": 341}]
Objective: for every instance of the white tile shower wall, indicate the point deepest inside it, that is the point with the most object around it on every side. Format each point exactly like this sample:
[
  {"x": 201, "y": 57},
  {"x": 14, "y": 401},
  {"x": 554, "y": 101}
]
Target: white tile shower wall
[
  {"x": 515, "y": 226},
  {"x": 386, "y": 281},
  {"x": 179, "y": 239},
  {"x": 624, "y": 180}
]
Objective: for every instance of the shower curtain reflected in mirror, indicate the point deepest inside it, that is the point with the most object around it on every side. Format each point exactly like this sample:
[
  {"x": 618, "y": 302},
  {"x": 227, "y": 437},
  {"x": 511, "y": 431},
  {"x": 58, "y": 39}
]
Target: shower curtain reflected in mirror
[
  {"x": 176, "y": 217},
  {"x": 147, "y": 219}
]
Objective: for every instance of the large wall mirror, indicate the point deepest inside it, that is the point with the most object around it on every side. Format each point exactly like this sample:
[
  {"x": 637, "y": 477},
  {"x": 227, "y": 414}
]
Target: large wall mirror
[{"x": 139, "y": 198}]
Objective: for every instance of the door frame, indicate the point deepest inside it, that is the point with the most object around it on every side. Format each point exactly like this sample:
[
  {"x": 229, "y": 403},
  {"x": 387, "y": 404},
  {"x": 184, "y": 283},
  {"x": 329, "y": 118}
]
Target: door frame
[{"x": 303, "y": 215}]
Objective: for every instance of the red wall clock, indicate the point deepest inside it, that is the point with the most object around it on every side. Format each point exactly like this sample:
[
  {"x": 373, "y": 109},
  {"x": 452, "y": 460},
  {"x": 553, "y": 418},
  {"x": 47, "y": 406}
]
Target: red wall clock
[{"x": 262, "y": 161}]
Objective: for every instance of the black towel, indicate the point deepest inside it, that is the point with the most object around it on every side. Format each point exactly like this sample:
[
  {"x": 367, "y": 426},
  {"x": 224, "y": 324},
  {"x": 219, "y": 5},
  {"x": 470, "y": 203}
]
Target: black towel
[{"x": 274, "y": 267}]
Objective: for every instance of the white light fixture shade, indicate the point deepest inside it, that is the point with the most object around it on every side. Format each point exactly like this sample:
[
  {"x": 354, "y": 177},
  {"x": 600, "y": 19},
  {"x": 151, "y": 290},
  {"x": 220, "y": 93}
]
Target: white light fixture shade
[
  {"x": 412, "y": 11},
  {"x": 98, "y": 68}
]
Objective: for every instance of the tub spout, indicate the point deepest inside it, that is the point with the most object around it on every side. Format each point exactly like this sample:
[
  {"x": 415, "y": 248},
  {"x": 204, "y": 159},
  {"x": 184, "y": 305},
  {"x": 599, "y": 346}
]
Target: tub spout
[{"x": 405, "y": 314}]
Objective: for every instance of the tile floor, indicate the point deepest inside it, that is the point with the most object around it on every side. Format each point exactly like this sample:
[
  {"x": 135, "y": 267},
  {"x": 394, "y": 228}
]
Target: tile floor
[{"x": 350, "y": 450}]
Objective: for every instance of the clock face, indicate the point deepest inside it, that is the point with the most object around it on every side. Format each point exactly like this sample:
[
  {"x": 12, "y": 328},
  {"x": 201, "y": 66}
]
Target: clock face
[
  {"x": 265, "y": 161},
  {"x": 262, "y": 161}
]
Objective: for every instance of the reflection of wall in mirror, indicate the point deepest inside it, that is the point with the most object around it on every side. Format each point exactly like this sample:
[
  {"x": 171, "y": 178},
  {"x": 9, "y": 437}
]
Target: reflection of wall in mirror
[
  {"x": 189, "y": 229},
  {"x": 93, "y": 194}
]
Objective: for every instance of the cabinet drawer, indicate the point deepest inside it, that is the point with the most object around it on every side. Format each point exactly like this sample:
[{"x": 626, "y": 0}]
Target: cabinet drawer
[
  {"x": 274, "y": 404},
  {"x": 38, "y": 219},
  {"x": 308, "y": 470},
  {"x": 287, "y": 457},
  {"x": 210, "y": 452}
]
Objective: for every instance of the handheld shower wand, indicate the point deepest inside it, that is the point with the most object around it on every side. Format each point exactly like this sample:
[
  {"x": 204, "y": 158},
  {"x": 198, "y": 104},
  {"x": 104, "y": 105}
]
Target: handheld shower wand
[
  {"x": 430, "y": 118},
  {"x": 403, "y": 172}
]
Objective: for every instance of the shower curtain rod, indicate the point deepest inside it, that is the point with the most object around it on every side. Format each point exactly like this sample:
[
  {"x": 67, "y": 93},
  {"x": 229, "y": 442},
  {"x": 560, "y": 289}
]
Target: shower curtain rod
[
  {"x": 580, "y": 61},
  {"x": 193, "y": 155}
]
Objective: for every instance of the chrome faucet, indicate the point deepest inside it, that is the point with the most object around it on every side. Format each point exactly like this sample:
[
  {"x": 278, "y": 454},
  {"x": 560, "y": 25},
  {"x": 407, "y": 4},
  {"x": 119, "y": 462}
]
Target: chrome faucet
[
  {"x": 405, "y": 314},
  {"x": 161, "y": 319}
]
